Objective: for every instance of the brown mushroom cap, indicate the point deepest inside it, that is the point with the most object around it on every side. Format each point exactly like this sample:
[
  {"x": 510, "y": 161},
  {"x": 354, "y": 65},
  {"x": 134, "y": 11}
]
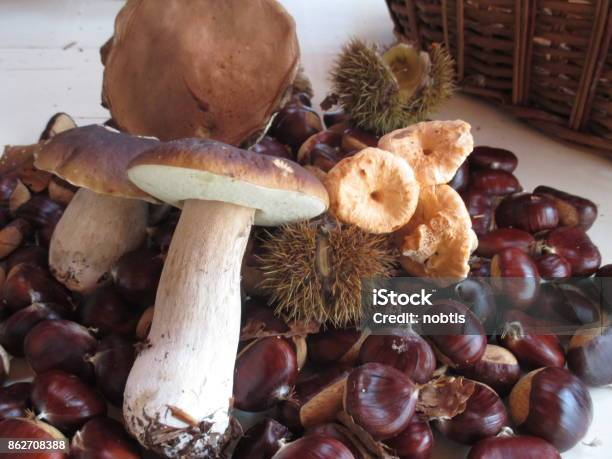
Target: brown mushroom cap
[
  {"x": 207, "y": 68},
  {"x": 280, "y": 190},
  {"x": 96, "y": 158}
]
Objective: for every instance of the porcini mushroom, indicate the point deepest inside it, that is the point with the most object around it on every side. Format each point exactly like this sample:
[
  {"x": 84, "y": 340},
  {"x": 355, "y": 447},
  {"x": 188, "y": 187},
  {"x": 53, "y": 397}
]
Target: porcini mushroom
[
  {"x": 107, "y": 216},
  {"x": 206, "y": 68},
  {"x": 179, "y": 391}
]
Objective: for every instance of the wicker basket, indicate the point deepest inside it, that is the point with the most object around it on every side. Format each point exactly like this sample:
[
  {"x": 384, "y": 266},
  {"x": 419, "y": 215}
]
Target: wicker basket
[{"x": 547, "y": 61}]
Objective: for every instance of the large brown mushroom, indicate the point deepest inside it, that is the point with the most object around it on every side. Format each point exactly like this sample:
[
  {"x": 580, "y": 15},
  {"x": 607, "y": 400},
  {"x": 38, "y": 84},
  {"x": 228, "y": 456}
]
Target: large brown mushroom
[
  {"x": 178, "y": 394},
  {"x": 107, "y": 216},
  {"x": 206, "y": 68}
]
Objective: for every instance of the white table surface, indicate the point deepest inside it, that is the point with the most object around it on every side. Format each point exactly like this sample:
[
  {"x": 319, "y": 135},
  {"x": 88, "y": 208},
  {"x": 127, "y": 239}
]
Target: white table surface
[{"x": 49, "y": 62}]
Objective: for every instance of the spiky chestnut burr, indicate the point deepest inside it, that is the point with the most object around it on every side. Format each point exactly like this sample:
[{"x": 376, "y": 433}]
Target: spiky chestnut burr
[
  {"x": 313, "y": 270},
  {"x": 386, "y": 91}
]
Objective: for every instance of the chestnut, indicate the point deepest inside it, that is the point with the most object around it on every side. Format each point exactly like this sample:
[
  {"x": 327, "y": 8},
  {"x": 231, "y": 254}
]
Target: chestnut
[
  {"x": 480, "y": 206},
  {"x": 5, "y": 365},
  {"x": 321, "y": 150},
  {"x": 503, "y": 238},
  {"x": 13, "y": 235},
  {"x": 65, "y": 401},
  {"x": 498, "y": 368},
  {"x": 465, "y": 342},
  {"x": 576, "y": 307},
  {"x": 265, "y": 372},
  {"x": 15, "y": 400},
  {"x": 31, "y": 429},
  {"x": 513, "y": 447},
  {"x": 26, "y": 284},
  {"x": 60, "y": 345},
  {"x": 262, "y": 440},
  {"x": 332, "y": 117},
  {"x": 343, "y": 434},
  {"x": 333, "y": 345},
  {"x": 415, "y": 442},
  {"x": 106, "y": 312},
  {"x": 409, "y": 353},
  {"x": 553, "y": 267},
  {"x": 102, "y": 438},
  {"x": 484, "y": 416},
  {"x": 112, "y": 364},
  {"x": 270, "y": 146},
  {"x": 294, "y": 123},
  {"x": 14, "y": 330},
  {"x": 380, "y": 399},
  {"x": 573, "y": 244},
  {"x": 589, "y": 356},
  {"x": 461, "y": 179},
  {"x": 315, "y": 447},
  {"x": 484, "y": 157},
  {"x": 530, "y": 212},
  {"x": 136, "y": 276},
  {"x": 515, "y": 276},
  {"x": 355, "y": 139},
  {"x": 573, "y": 210},
  {"x": 494, "y": 182},
  {"x": 61, "y": 191},
  {"x": 33, "y": 254},
  {"x": 40, "y": 211},
  {"x": 553, "y": 404},
  {"x": 531, "y": 350},
  {"x": 478, "y": 296}
]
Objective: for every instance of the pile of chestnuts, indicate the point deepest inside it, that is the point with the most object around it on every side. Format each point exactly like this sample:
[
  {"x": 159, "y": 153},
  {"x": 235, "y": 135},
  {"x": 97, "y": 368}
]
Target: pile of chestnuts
[{"x": 324, "y": 392}]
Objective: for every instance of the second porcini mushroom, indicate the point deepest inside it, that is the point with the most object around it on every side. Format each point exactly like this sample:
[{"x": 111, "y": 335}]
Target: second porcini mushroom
[
  {"x": 178, "y": 395},
  {"x": 107, "y": 216}
]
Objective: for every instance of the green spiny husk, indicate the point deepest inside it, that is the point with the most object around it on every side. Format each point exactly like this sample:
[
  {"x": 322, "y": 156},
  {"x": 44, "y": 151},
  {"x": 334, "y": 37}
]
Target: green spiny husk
[
  {"x": 369, "y": 93},
  {"x": 303, "y": 288}
]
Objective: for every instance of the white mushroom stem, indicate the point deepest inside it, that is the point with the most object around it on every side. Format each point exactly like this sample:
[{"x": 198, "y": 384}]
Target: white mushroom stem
[
  {"x": 178, "y": 394},
  {"x": 93, "y": 233}
]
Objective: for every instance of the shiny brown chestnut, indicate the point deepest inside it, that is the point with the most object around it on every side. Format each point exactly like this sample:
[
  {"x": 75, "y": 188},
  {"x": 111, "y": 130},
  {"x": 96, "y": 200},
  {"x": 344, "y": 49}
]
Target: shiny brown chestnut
[
  {"x": 481, "y": 208},
  {"x": 262, "y": 440},
  {"x": 530, "y": 212},
  {"x": 494, "y": 182},
  {"x": 333, "y": 345},
  {"x": 503, "y": 238},
  {"x": 332, "y": 117},
  {"x": 31, "y": 429},
  {"x": 321, "y": 150},
  {"x": 105, "y": 311},
  {"x": 65, "y": 401},
  {"x": 26, "y": 284},
  {"x": 577, "y": 307},
  {"x": 408, "y": 353},
  {"x": 341, "y": 433},
  {"x": 553, "y": 404},
  {"x": 380, "y": 399},
  {"x": 112, "y": 364},
  {"x": 484, "y": 157},
  {"x": 513, "y": 447},
  {"x": 498, "y": 368},
  {"x": 272, "y": 147},
  {"x": 461, "y": 179},
  {"x": 589, "y": 356},
  {"x": 314, "y": 447},
  {"x": 15, "y": 400},
  {"x": 515, "y": 276},
  {"x": 415, "y": 442},
  {"x": 103, "y": 438},
  {"x": 484, "y": 416},
  {"x": 531, "y": 350},
  {"x": 136, "y": 275},
  {"x": 553, "y": 267},
  {"x": 573, "y": 210},
  {"x": 40, "y": 211},
  {"x": 355, "y": 139},
  {"x": 14, "y": 330},
  {"x": 32, "y": 254},
  {"x": 265, "y": 373},
  {"x": 478, "y": 296},
  {"x": 573, "y": 244},
  {"x": 459, "y": 344},
  {"x": 60, "y": 345},
  {"x": 13, "y": 235},
  {"x": 294, "y": 124}
]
